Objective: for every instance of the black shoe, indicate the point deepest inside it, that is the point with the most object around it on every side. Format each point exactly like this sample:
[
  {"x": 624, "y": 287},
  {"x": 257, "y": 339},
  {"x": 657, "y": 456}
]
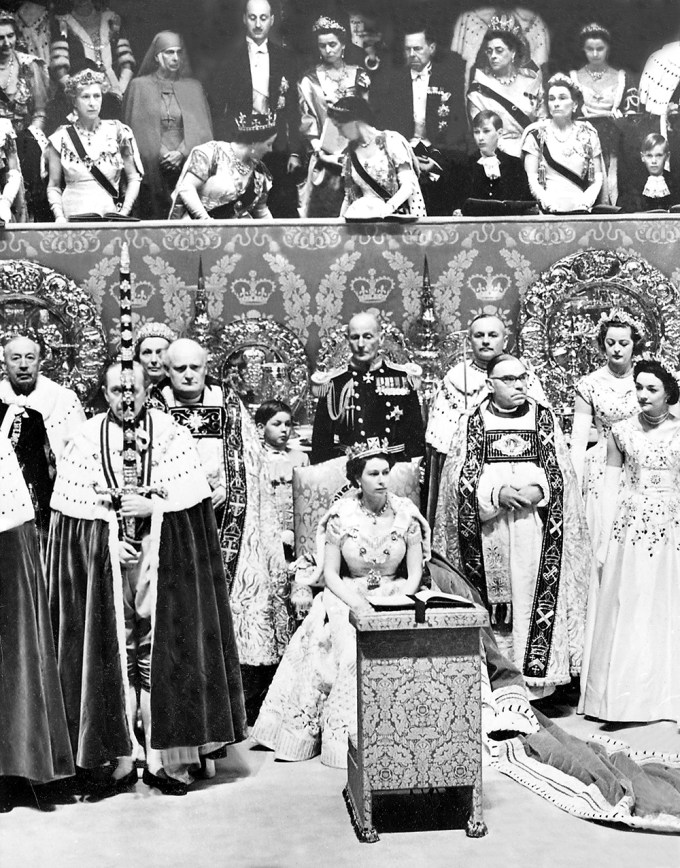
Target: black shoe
[
  {"x": 115, "y": 787},
  {"x": 6, "y": 799},
  {"x": 168, "y": 786}
]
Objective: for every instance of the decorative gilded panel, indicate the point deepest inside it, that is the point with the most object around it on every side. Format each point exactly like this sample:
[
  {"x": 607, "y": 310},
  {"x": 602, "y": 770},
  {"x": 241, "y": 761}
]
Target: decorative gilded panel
[
  {"x": 48, "y": 307},
  {"x": 559, "y": 314}
]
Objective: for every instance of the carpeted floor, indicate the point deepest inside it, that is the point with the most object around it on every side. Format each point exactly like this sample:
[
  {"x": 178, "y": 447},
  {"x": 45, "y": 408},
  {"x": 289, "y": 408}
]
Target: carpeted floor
[{"x": 258, "y": 813}]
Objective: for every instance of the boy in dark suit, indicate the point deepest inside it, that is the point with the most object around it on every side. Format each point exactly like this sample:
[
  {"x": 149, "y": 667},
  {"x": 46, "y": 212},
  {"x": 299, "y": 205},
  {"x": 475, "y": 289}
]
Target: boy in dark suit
[
  {"x": 493, "y": 174},
  {"x": 653, "y": 189}
]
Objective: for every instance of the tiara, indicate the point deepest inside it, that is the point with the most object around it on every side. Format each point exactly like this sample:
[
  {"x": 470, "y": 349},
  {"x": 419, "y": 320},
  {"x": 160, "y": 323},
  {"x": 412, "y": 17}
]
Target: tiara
[
  {"x": 662, "y": 363},
  {"x": 255, "y": 123},
  {"x": 84, "y": 78},
  {"x": 506, "y": 24},
  {"x": 155, "y": 330},
  {"x": 372, "y": 446},
  {"x": 562, "y": 80},
  {"x": 594, "y": 29},
  {"x": 618, "y": 314},
  {"x": 327, "y": 23}
]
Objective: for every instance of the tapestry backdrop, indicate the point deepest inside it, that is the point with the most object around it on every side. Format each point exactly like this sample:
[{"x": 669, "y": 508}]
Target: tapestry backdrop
[{"x": 312, "y": 276}]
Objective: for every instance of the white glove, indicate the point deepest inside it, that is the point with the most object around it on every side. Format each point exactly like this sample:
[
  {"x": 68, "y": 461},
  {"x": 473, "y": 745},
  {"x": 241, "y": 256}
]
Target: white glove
[{"x": 5, "y": 211}]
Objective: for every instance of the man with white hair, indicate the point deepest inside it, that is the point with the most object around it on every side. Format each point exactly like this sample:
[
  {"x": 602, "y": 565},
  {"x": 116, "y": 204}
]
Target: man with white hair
[
  {"x": 25, "y": 386},
  {"x": 369, "y": 397},
  {"x": 232, "y": 459}
]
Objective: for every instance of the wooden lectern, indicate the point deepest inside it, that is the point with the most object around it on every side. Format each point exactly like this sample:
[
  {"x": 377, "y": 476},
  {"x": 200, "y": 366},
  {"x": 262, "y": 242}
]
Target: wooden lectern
[{"x": 419, "y": 710}]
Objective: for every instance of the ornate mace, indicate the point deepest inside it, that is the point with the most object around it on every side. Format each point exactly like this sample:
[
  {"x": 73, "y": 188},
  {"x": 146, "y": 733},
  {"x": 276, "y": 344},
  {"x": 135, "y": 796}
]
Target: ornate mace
[{"x": 131, "y": 484}]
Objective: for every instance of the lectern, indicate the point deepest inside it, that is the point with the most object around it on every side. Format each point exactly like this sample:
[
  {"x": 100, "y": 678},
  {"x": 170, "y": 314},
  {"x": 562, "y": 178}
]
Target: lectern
[{"x": 419, "y": 710}]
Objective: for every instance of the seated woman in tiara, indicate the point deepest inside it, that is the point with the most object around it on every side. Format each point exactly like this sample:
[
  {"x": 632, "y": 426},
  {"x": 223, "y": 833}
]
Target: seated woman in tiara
[
  {"x": 380, "y": 170},
  {"x": 562, "y": 156},
  {"x": 608, "y": 95},
  {"x": 228, "y": 180},
  {"x": 87, "y": 159},
  {"x": 370, "y": 544}
]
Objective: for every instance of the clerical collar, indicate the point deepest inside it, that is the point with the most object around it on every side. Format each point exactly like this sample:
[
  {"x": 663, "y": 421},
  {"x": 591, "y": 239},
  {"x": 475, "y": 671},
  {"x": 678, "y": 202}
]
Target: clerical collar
[
  {"x": 515, "y": 413},
  {"x": 180, "y": 403}
]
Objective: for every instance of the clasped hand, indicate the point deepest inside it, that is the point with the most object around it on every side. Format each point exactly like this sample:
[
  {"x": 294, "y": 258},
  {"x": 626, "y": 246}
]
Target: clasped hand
[
  {"x": 520, "y": 498},
  {"x": 135, "y": 506}
]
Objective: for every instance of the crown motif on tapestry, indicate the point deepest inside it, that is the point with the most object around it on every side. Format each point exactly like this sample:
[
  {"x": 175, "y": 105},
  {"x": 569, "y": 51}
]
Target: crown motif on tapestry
[
  {"x": 489, "y": 287},
  {"x": 618, "y": 314},
  {"x": 372, "y": 289},
  {"x": 372, "y": 446},
  {"x": 256, "y": 123},
  {"x": 325, "y": 22},
  {"x": 253, "y": 289}
]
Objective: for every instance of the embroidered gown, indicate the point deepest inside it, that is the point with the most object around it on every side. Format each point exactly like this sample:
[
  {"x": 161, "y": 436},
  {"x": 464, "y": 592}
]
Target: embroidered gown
[
  {"x": 107, "y": 147},
  {"x": 634, "y": 667},
  {"x": 311, "y": 704},
  {"x": 582, "y": 146},
  {"x": 612, "y": 400},
  {"x": 525, "y": 93},
  {"x": 393, "y": 152}
]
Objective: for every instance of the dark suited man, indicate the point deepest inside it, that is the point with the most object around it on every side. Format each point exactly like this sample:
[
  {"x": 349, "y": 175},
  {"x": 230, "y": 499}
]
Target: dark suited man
[
  {"x": 426, "y": 103},
  {"x": 257, "y": 75}
]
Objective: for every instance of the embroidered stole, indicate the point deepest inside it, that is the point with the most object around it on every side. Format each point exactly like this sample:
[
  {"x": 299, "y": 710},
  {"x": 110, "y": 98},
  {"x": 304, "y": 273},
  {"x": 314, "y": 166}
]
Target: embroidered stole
[{"x": 544, "y": 607}]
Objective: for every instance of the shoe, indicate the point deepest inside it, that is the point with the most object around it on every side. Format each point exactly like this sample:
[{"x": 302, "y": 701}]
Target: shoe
[
  {"x": 6, "y": 800},
  {"x": 168, "y": 786}
]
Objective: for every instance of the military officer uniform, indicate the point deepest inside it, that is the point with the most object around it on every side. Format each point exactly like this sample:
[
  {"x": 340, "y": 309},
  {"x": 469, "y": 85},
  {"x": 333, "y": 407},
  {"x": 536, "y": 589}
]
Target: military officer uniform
[{"x": 355, "y": 405}]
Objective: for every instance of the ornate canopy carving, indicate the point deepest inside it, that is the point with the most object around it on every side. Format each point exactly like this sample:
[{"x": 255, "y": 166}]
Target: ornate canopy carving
[
  {"x": 559, "y": 313},
  {"x": 47, "y": 306},
  {"x": 260, "y": 359}
]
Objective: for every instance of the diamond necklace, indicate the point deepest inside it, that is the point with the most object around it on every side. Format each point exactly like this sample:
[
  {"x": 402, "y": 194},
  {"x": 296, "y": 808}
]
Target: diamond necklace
[{"x": 374, "y": 515}]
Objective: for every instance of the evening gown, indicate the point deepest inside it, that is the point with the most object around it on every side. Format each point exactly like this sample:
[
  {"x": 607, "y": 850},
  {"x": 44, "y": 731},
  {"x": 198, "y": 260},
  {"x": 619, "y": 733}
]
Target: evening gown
[
  {"x": 634, "y": 667},
  {"x": 311, "y": 704}
]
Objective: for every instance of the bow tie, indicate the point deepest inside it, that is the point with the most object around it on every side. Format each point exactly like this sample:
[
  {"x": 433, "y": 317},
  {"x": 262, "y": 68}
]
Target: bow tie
[
  {"x": 257, "y": 49},
  {"x": 656, "y": 187},
  {"x": 491, "y": 166}
]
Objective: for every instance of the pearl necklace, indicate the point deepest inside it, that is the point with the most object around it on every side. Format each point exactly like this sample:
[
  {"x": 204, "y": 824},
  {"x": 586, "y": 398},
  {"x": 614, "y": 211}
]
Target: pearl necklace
[
  {"x": 621, "y": 376},
  {"x": 374, "y": 515},
  {"x": 8, "y": 67},
  {"x": 655, "y": 421}
]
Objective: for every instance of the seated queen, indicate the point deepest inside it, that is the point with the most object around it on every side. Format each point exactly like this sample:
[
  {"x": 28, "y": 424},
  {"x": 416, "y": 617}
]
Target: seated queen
[
  {"x": 227, "y": 180},
  {"x": 371, "y": 544}
]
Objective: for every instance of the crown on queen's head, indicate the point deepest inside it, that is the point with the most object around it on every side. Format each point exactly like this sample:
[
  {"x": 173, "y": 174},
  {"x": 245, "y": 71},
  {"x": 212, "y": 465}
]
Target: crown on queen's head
[
  {"x": 618, "y": 314},
  {"x": 372, "y": 446},
  {"x": 256, "y": 123}
]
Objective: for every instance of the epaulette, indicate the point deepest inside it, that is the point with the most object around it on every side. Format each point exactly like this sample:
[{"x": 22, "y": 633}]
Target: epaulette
[
  {"x": 321, "y": 380},
  {"x": 414, "y": 372}
]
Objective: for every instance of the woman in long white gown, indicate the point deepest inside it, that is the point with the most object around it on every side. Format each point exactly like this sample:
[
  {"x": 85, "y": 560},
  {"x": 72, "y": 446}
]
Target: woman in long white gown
[
  {"x": 604, "y": 397},
  {"x": 633, "y": 667}
]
